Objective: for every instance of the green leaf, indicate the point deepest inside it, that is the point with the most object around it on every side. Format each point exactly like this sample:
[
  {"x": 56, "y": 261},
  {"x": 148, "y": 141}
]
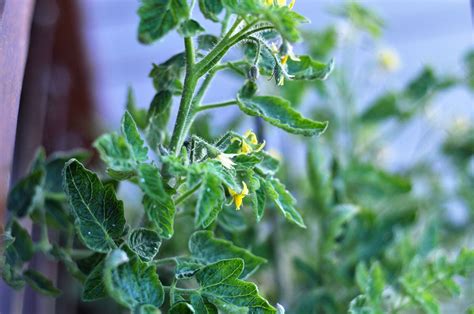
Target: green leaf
[
  {"x": 40, "y": 283},
  {"x": 211, "y": 9},
  {"x": 259, "y": 199},
  {"x": 115, "y": 152},
  {"x": 158, "y": 204},
  {"x": 319, "y": 178},
  {"x": 131, "y": 282},
  {"x": 210, "y": 200},
  {"x": 278, "y": 112},
  {"x": 22, "y": 197},
  {"x": 167, "y": 76},
  {"x": 182, "y": 308},
  {"x": 308, "y": 69},
  {"x": 21, "y": 250},
  {"x": 268, "y": 165},
  {"x": 220, "y": 285},
  {"x": 383, "y": 107},
  {"x": 286, "y": 21},
  {"x": 190, "y": 28},
  {"x": 94, "y": 288},
  {"x": 71, "y": 266},
  {"x": 99, "y": 215},
  {"x": 158, "y": 117},
  {"x": 145, "y": 243},
  {"x": 201, "y": 306},
  {"x": 375, "y": 284},
  {"x": 207, "y": 41},
  {"x": 146, "y": 309},
  {"x": 158, "y": 17},
  {"x": 362, "y": 18},
  {"x": 284, "y": 201},
  {"x": 139, "y": 115},
  {"x": 55, "y": 165},
  {"x": 138, "y": 149},
  {"x": 340, "y": 215},
  {"x": 469, "y": 66},
  {"x": 208, "y": 249}
]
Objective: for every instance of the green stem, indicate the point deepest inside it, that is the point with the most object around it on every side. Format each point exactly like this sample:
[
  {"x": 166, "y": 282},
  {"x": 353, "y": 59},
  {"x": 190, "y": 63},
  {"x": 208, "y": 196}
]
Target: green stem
[
  {"x": 169, "y": 288},
  {"x": 187, "y": 194},
  {"x": 79, "y": 254},
  {"x": 190, "y": 82},
  {"x": 217, "y": 105},
  {"x": 205, "y": 62},
  {"x": 164, "y": 261}
]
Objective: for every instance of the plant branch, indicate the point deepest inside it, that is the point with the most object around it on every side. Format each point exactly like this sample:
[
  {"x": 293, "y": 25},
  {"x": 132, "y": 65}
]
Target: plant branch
[{"x": 217, "y": 105}]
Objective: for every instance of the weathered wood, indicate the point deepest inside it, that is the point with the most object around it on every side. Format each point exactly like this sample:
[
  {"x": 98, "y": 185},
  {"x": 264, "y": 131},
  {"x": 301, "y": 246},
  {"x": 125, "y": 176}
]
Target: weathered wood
[{"x": 15, "y": 21}]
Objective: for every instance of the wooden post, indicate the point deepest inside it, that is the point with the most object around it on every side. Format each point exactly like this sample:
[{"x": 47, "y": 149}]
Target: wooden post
[{"x": 15, "y": 21}]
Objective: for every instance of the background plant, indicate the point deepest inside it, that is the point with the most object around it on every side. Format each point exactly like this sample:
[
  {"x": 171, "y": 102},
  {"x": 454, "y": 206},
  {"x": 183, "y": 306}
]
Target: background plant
[{"x": 113, "y": 258}]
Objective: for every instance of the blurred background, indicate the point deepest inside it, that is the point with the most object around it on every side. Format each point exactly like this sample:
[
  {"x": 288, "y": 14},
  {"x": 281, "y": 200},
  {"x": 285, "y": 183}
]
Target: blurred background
[{"x": 83, "y": 55}]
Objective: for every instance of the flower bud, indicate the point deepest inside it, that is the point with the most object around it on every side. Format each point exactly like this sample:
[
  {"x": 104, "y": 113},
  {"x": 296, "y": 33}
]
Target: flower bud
[{"x": 253, "y": 73}]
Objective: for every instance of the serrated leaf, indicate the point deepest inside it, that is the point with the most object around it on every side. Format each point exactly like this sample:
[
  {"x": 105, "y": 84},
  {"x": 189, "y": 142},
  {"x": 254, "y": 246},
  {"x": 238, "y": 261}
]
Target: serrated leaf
[
  {"x": 158, "y": 117},
  {"x": 131, "y": 282},
  {"x": 158, "y": 17},
  {"x": 209, "y": 201},
  {"x": 220, "y": 285},
  {"x": 278, "y": 112},
  {"x": 362, "y": 18},
  {"x": 94, "y": 288},
  {"x": 201, "y": 306},
  {"x": 145, "y": 243},
  {"x": 259, "y": 199},
  {"x": 54, "y": 168},
  {"x": 186, "y": 267},
  {"x": 115, "y": 152},
  {"x": 21, "y": 250},
  {"x": 211, "y": 9},
  {"x": 138, "y": 149},
  {"x": 190, "y": 28},
  {"x": 182, "y": 308},
  {"x": 284, "y": 201},
  {"x": 268, "y": 165},
  {"x": 208, "y": 249},
  {"x": 146, "y": 309},
  {"x": 99, "y": 215},
  {"x": 207, "y": 41},
  {"x": 40, "y": 283},
  {"x": 167, "y": 75},
  {"x": 308, "y": 69},
  {"x": 158, "y": 204},
  {"x": 22, "y": 198},
  {"x": 139, "y": 115}
]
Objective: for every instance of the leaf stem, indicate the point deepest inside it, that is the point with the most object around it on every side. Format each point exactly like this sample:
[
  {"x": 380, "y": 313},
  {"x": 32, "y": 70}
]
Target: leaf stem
[
  {"x": 217, "y": 105},
  {"x": 182, "y": 290},
  {"x": 164, "y": 261},
  {"x": 187, "y": 194}
]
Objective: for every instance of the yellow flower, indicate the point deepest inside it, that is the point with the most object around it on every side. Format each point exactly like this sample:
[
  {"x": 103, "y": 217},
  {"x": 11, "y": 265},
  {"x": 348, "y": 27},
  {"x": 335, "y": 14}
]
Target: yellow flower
[
  {"x": 239, "y": 197},
  {"x": 388, "y": 59},
  {"x": 251, "y": 137},
  {"x": 280, "y": 3},
  {"x": 248, "y": 143},
  {"x": 284, "y": 59},
  {"x": 226, "y": 160}
]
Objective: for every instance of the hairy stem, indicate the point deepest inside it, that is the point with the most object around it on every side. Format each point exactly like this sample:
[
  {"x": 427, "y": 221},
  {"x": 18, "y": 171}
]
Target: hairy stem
[
  {"x": 217, "y": 105},
  {"x": 190, "y": 82}
]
